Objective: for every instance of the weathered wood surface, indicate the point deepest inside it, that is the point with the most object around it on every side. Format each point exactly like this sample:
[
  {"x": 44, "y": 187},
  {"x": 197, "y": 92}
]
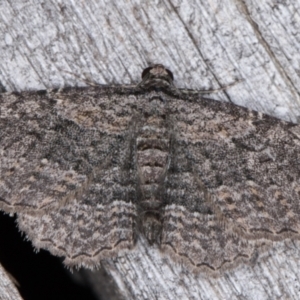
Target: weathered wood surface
[
  {"x": 8, "y": 290},
  {"x": 206, "y": 44}
]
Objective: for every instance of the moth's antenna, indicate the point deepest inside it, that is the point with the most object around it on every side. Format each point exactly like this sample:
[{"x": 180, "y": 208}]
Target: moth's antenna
[
  {"x": 88, "y": 82},
  {"x": 190, "y": 91}
]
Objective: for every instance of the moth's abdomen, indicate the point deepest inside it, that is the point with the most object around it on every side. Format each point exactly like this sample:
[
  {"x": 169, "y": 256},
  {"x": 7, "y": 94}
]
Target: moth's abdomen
[{"x": 152, "y": 159}]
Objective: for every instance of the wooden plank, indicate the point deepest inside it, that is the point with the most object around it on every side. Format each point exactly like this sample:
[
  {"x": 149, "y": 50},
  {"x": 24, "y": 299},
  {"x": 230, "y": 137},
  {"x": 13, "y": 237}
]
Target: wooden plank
[
  {"x": 206, "y": 44},
  {"x": 8, "y": 290}
]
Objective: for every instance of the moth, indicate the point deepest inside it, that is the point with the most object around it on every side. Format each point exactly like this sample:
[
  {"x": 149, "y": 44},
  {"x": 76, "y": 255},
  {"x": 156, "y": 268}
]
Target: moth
[{"x": 91, "y": 170}]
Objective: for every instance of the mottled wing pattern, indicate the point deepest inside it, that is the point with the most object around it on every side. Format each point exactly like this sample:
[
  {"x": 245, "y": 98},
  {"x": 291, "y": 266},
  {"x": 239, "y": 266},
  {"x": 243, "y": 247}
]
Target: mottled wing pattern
[
  {"x": 202, "y": 242},
  {"x": 53, "y": 145},
  {"x": 192, "y": 232},
  {"x": 64, "y": 167},
  {"x": 234, "y": 178},
  {"x": 249, "y": 162},
  {"x": 83, "y": 233}
]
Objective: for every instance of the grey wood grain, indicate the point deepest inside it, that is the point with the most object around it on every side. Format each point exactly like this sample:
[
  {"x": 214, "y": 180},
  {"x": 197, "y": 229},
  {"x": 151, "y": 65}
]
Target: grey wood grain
[
  {"x": 207, "y": 45},
  {"x": 8, "y": 290}
]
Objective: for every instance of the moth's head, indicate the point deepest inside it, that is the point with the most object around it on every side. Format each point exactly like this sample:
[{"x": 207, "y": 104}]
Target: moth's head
[{"x": 156, "y": 76}]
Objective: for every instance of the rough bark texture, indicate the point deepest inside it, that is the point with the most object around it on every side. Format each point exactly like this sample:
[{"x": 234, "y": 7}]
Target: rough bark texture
[{"x": 207, "y": 45}]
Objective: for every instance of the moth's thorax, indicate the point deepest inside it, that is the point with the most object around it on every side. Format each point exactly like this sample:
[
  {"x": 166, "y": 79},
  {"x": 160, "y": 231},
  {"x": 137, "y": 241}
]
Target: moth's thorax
[{"x": 152, "y": 156}]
